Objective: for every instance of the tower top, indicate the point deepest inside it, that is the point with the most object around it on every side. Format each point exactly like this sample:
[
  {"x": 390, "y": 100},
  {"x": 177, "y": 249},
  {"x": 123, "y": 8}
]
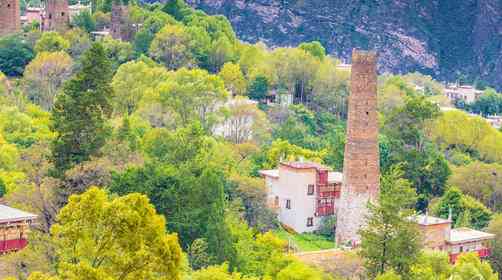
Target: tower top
[{"x": 364, "y": 57}]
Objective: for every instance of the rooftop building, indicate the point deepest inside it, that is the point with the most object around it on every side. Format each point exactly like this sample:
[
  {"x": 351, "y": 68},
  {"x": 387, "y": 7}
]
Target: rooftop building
[
  {"x": 439, "y": 235},
  {"x": 14, "y": 228},
  {"x": 302, "y": 193}
]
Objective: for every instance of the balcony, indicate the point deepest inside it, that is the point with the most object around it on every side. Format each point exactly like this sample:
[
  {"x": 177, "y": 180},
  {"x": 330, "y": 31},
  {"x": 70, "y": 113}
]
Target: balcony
[
  {"x": 325, "y": 209},
  {"x": 328, "y": 191},
  {"x": 12, "y": 245}
]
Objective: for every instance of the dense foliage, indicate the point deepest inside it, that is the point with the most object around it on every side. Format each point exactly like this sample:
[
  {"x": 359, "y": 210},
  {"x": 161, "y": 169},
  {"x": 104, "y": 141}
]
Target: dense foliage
[{"x": 173, "y": 127}]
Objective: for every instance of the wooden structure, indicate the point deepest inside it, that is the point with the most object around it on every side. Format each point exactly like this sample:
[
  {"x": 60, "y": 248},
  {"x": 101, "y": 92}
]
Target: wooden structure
[{"x": 14, "y": 228}]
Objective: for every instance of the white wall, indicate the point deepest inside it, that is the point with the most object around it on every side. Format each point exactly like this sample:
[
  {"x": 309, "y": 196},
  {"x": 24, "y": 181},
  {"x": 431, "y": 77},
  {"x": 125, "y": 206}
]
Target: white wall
[{"x": 293, "y": 185}]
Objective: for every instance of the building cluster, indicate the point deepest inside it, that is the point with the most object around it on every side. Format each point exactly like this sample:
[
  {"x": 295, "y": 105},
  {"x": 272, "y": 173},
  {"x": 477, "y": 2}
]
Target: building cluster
[
  {"x": 303, "y": 193},
  {"x": 14, "y": 228},
  {"x": 466, "y": 93},
  {"x": 56, "y": 15}
]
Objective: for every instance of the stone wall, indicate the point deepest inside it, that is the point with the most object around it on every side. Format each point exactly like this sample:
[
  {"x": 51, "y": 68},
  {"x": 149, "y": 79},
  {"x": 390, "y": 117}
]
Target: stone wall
[
  {"x": 10, "y": 17},
  {"x": 361, "y": 172},
  {"x": 57, "y": 15}
]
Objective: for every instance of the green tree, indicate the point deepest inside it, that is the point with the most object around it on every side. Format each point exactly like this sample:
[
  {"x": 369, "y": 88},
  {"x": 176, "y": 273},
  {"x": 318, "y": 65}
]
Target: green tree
[
  {"x": 15, "y": 54},
  {"x": 184, "y": 185},
  {"x": 176, "y": 8},
  {"x": 85, "y": 21},
  {"x": 432, "y": 265},
  {"x": 51, "y": 42},
  {"x": 458, "y": 203},
  {"x": 258, "y": 88},
  {"x": 3, "y": 188},
  {"x": 119, "y": 238},
  {"x": 315, "y": 48},
  {"x": 391, "y": 240},
  {"x": 80, "y": 112},
  {"x": 495, "y": 227}
]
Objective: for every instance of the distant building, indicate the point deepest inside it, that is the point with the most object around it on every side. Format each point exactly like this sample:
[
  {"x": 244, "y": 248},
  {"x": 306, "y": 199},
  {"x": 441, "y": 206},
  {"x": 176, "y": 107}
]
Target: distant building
[
  {"x": 495, "y": 121},
  {"x": 14, "y": 228},
  {"x": 302, "y": 193},
  {"x": 32, "y": 14},
  {"x": 468, "y": 94},
  {"x": 439, "y": 235}
]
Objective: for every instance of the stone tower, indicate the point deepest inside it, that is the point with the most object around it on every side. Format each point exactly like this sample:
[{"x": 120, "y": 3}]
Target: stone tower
[
  {"x": 120, "y": 28},
  {"x": 361, "y": 168},
  {"x": 57, "y": 15},
  {"x": 10, "y": 17}
]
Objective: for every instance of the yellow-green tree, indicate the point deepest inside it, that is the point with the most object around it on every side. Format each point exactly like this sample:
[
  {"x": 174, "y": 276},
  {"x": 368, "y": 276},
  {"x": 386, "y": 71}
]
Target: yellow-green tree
[
  {"x": 98, "y": 237},
  {"x": 45, "y": 75},
  {"x": 132, "y": 81},
  {"x": 192, "y": 95},
  {"x": 171, "y": 47},
  {"x": 233, "y": 78},
  {"x": 495, "y": 227},
  {"x": 51, "y": 42},
  {"x": 469, "y": 266}
]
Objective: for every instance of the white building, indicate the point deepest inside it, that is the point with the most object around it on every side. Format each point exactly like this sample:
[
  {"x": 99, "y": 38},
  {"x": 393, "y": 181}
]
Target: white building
[
  {"x": 302, "y": 193},
  {"x": 466, "y": 93}
]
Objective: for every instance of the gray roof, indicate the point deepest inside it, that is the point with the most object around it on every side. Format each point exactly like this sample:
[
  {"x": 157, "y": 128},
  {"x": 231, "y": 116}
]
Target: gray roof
[{"x": 9, "y": 214}]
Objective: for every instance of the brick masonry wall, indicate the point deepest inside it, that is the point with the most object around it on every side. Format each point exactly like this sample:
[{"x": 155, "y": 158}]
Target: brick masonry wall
[
  {"x": 121, "y": 29},
  {"x": 57, "y": 15},
  {"x": 361, "y": 172},
  {"x": 10, "y": 17}
]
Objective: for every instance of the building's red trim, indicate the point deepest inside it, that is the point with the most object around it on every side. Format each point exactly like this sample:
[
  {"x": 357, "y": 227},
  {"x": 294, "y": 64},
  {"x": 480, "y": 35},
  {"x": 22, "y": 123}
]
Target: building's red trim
[
  {"x": 483, "y": 253},
  {"x": 12, "y": 245}
]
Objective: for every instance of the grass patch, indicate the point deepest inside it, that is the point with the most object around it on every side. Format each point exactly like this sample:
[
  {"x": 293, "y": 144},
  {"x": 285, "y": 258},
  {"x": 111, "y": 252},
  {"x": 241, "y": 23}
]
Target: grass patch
[{"x": 306, "y": 242}]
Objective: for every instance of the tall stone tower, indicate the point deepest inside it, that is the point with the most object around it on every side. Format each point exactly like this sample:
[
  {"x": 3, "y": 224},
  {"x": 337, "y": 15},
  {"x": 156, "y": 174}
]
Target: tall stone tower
[
  {"x": 57, "y": 15},
  {"x": 10, "y": 17},
  {"x": 361, "y": 168},
  {"x": 120, "y": 28}
]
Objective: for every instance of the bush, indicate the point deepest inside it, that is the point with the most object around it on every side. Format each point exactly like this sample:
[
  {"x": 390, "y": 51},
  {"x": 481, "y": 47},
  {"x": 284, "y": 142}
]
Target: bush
[{"x": 327, "y": 227}]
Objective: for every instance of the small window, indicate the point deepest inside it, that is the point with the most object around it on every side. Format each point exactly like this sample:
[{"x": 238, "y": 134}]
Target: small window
[
  {"x": 288, "y": 204},
  {"x": 367, "y": 113},
  {"x": 62, "y": 14},
  {"x": 8, "y": 5},
  {"x": 310, "y": 221},
  {"x": 461, "y": 249},
  {"x": 50, "y": 16},
  {"x": 310, "y": 189}
]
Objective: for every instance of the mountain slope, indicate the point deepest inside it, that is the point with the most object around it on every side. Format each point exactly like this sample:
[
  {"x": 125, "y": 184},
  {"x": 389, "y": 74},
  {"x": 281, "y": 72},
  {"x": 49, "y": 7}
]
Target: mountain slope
[{"x": 447, "y": 39}]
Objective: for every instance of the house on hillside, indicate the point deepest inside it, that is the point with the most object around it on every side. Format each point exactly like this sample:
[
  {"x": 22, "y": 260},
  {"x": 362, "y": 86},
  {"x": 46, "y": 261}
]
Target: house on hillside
[
  {"x": 14, "y": 228},
  {"x": 302, "y": 193},
  {"x": 439, "y": 235},
  {"x": 468, "y": 94}
]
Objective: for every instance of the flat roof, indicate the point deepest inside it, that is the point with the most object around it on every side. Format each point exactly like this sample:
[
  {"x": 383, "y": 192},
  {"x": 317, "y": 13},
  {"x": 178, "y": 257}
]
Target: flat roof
[
  {"x": 274, "y": 173},
  {"x": 305, "y": 165},
  {"x": 9, "y": 214},
  {"x": 335, "y": 177},
  {"x": 426, "y": 220},
  {"x": 463, "y": 235}
]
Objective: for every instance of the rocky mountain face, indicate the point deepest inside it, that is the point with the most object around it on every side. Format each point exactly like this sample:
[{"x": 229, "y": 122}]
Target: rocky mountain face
[{"x": 447, "y": 39}]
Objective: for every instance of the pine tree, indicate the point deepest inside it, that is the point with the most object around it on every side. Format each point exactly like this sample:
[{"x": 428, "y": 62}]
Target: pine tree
[
  {"x": 391, "y": 240},
  {"x": 80, "y": 112}
]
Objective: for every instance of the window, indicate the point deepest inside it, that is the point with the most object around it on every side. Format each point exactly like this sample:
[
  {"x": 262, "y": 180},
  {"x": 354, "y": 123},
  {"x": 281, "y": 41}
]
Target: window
[
  {"x": 310, "y": 221},
  {"x": 288, "y": 204},
  {"x": 276, "y": 201},
  {"x": 62, "y": 14},
  {"x": 310, "y": 189}
]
